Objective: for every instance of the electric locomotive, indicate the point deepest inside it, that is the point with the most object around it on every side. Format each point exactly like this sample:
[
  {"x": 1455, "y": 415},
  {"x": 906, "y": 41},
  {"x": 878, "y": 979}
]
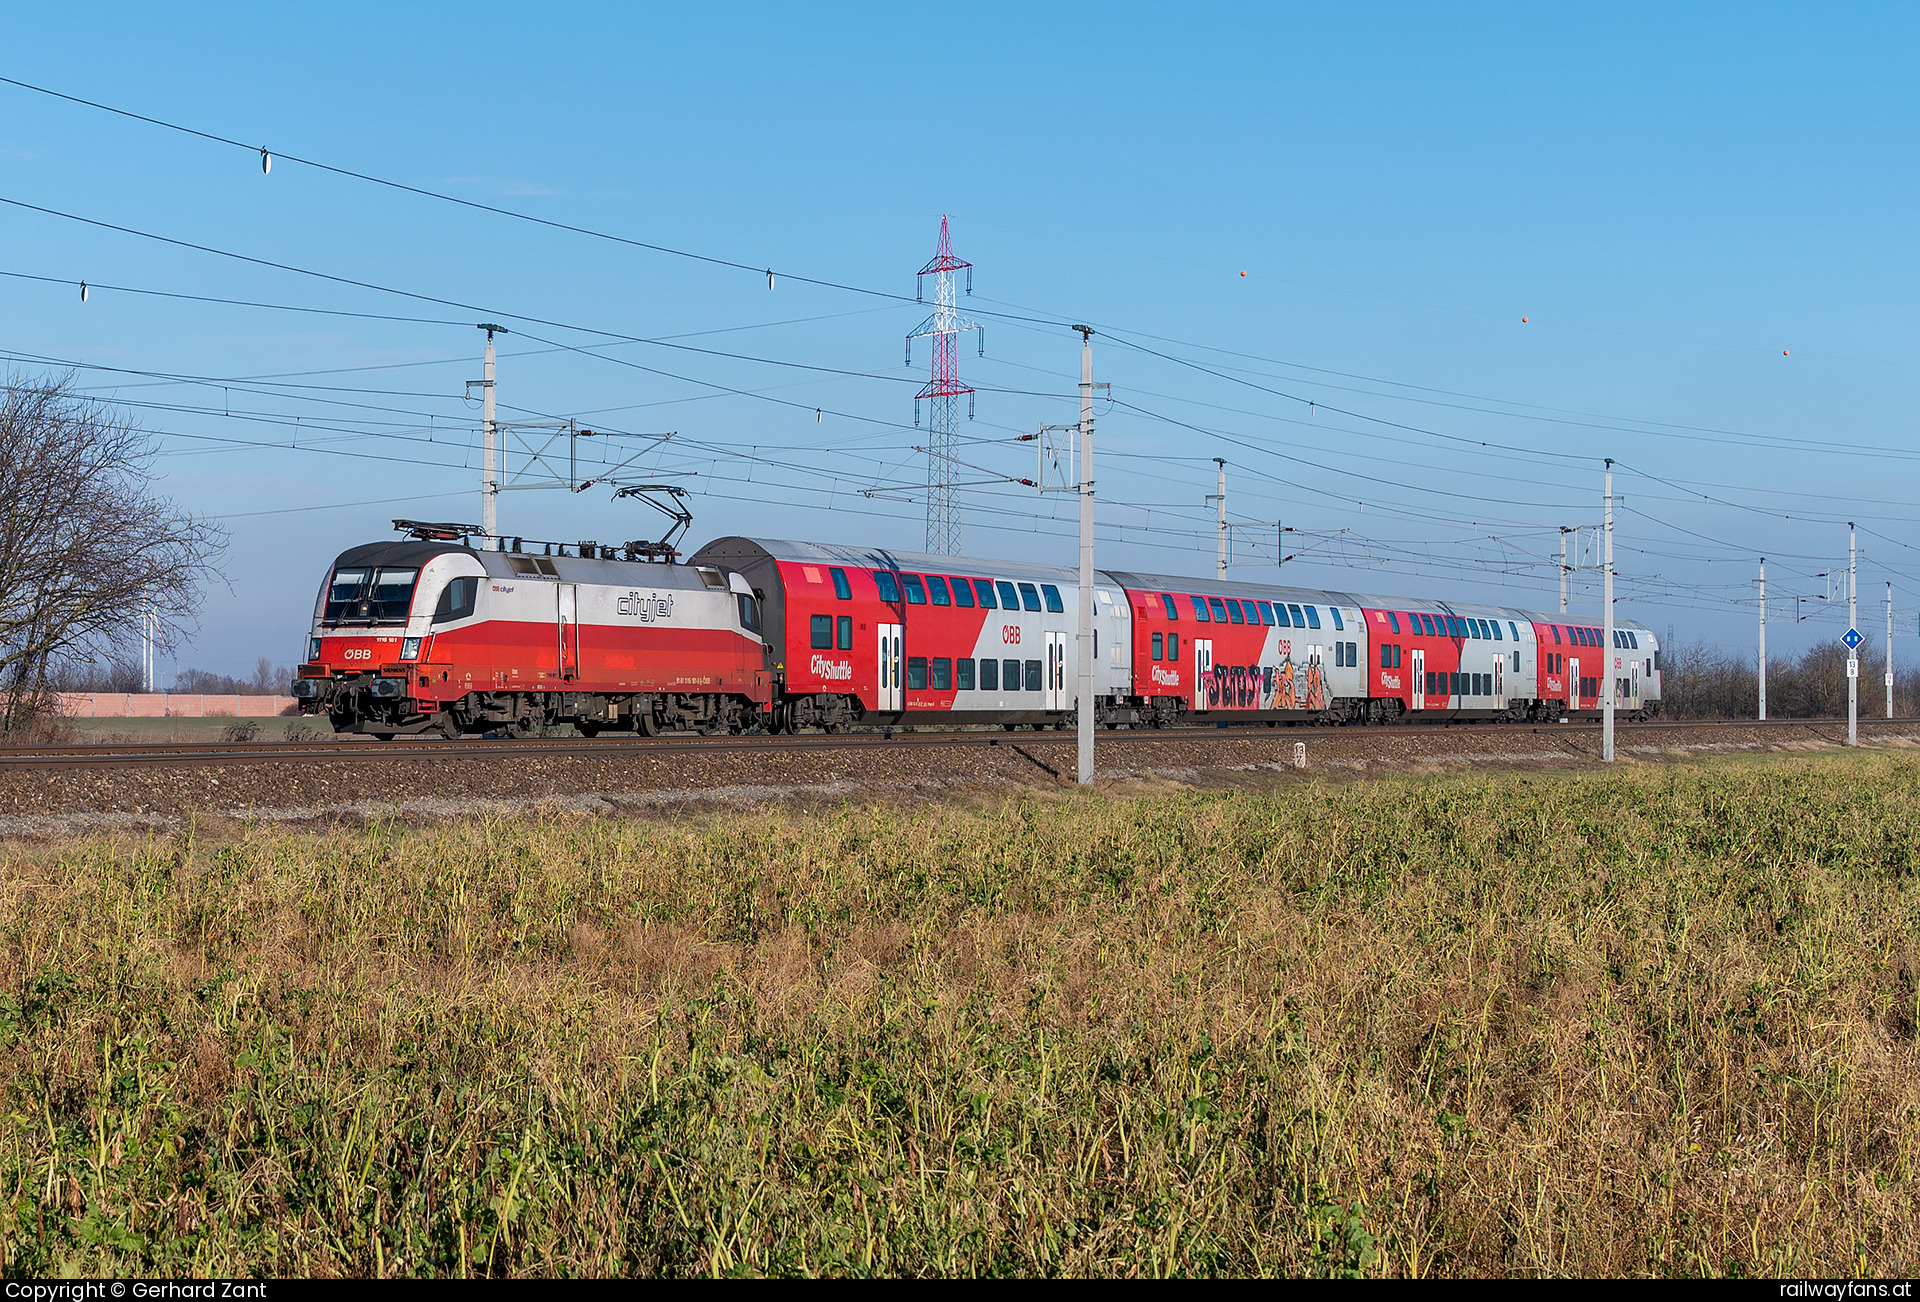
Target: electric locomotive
[{"x": 431, "y": 634}]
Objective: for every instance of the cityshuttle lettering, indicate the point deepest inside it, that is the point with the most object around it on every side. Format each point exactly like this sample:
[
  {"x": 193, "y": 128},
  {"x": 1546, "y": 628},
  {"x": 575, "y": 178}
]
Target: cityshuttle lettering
[
  {"x": 832, "y": 670},
  {"x": 1165, "y": 677},
  {"x": 646, "y": 607}
]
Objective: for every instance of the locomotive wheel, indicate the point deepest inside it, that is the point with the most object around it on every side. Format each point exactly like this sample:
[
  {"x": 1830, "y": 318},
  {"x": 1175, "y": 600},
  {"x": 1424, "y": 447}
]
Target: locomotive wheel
[
  {"x": 515, "y": 729},
  {"x": 448, "y": 726}
]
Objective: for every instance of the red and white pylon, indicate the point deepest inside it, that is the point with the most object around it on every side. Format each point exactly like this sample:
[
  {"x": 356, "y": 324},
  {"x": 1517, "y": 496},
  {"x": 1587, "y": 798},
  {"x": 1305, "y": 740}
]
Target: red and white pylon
[{"x": 942, "y": 390}]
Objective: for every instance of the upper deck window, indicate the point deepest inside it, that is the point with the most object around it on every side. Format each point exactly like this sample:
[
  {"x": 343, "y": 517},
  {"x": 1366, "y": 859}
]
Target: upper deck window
[
  {"x": 985, "y": 588},
  {"x": 1233, "y": 612},
  {"x": 937, "y": 589},
  {"x": 1030, "y": 598},
  {"x": 963, "y": 594},
  {"x": 1052, "y": 594},
  {"x": 1337, "y": 622},
  {"x": 916, "y": 595},
  {"x": 889, "y": 590},
  {"x": 1173, "y": 611},
  {"x": 1009, "y": 599},
  {"x": 841, "y": 588},
  {"x": 1266, "y": 613},
  {"x": 1219, "y": 609}
]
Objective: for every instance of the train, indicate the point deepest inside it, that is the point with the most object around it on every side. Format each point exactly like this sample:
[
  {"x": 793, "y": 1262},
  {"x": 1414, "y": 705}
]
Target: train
[{"x": 432, "y": 634}]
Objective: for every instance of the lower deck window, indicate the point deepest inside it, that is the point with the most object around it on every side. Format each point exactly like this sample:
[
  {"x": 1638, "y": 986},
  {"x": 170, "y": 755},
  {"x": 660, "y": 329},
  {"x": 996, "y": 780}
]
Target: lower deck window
[
  {"x": 821, "y": 628},
  {"x": 963, "y": 672},
  {"x": 1034, "y": 681},
  {"x": 1010, "y": 674},
  {"x": 916, "y": 673},
  {"x": 845, "y": 630},
  {"x": 1159, "y": 646},
  {"x": 942, "y": 674},
  {"x": 989, "y": 675},
  {"x": 1173, "y": 646}
]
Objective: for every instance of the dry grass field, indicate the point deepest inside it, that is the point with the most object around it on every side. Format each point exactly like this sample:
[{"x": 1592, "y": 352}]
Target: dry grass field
[{"x": 1660, "y": 1021}]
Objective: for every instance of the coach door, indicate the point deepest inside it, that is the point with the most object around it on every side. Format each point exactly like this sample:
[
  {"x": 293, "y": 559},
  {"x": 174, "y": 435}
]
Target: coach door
[
  {"x": 888, "y": 698},
  {"x": 1573, "y": 684},
  {"x": 1500, "y": 680},
  {"x": 568, "y": 596},
  {"x": 1419, "y": 679},
  {"x": 1057, "y": 695},
  {"x": 1202, "y": 670}
]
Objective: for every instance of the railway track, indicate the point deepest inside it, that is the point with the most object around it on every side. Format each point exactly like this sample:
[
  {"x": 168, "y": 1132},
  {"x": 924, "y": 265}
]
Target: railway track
[{"x": 356, "y": 749}]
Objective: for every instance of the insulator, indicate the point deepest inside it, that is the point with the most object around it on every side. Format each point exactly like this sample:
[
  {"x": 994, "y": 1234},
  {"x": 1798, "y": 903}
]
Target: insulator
[
  {"x": 266, "y": 163},
  {"x": 83, "y": 291},
  {"x": 969, "y": 280}
]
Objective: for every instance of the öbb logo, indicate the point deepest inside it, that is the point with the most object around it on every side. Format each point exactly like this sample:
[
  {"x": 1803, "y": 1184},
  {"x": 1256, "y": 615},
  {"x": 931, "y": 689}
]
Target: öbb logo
[
  {"x": 647, "y": 608},
  {"x": 1010, "y": 634},
  {"x": 832, "y": 670}
]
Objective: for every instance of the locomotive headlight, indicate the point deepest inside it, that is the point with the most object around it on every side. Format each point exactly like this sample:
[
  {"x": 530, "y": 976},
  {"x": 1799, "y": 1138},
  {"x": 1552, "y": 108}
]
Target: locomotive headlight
[
  {"x": 410, "y": 648},
  {"x": 313, "y": 648}
]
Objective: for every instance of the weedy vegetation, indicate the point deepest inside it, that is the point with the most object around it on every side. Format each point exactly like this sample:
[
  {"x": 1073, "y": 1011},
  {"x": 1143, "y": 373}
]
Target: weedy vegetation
[{"x": 1656, "y": 1021}]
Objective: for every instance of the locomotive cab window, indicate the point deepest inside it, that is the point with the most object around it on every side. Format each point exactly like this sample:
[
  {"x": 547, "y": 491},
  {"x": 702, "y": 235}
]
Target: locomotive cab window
[
  {"x": 841, "y": 588},
  {"x": 985, "y": 588},
  {"x": 456, "y": 601},
  {"x": 1052, "y": 595},
  {"x": 820, "y": 627},
  {"x": 749, "y": 612}
]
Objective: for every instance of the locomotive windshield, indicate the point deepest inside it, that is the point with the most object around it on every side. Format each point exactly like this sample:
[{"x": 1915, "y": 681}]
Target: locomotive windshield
[{"x": 359, "y": 595}]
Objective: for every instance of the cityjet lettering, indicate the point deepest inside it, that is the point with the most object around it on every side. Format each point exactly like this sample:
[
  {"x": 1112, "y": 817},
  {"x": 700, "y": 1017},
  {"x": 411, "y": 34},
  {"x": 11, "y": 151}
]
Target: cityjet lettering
[
  {"x": 832, "y": 670},
  {"x": 646, "y": 608}
]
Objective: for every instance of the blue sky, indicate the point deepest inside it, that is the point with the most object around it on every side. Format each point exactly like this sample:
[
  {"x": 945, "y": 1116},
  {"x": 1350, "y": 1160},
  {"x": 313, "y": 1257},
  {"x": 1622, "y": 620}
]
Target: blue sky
[{"x": 1704, "y": 215}]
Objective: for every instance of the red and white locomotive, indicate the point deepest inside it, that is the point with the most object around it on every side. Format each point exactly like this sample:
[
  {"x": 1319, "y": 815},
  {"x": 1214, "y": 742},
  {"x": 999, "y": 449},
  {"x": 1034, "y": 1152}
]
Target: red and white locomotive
[{"x": 432, "y": 634}]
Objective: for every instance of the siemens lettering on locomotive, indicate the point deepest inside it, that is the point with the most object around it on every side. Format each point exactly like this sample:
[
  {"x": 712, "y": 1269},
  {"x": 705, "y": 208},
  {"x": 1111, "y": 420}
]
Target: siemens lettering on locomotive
[{"x": 436, "y": 635}]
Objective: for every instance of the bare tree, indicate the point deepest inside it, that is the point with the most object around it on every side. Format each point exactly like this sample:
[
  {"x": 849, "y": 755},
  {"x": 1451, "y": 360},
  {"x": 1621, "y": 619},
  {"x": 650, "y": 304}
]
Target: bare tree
[{"x": 86, "y": 542}]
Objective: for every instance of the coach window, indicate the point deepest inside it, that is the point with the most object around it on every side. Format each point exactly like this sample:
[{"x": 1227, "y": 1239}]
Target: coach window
[
  {"x": 1335, "y": 612},
  {"x": 916, "y": 592},
  {"x": 1396, "y": 655},
  {"x": 845, "y": 630},
  {"x": 1633, "y": 640},
  {"x": 1495, "y": 626},
  {"x": 1313, "y": 617},
  {"x": 1173, "y": 646},
  {"x": 1266, "y": 613},
  {"x": 1030, "y": 598},
  {"x": 1199, "y": 609},
  {"x": 457, "y": 601},
  {"x": 963, "y": 675},
  {"x": 1219, "y": 609},
  {"x": 889, "y": 590},
  {"x": 1339, "y": 655},
  {"x": 841, "y": 588},
  {"x": 917, "y": 673},
  {"x": 937, "y": 589},
  {"x": 1159, "y": 646},
  {"x": 985, "y": 588},
  {"x": 942, "y": 680},
  {"x": 1555, "y": 629},
  {"x": 1052, "y": 594},
  {"x": 1166, "y": 600},
  {"x": 1233, "y": 613},
  {"x": 1386, "y": 655},
  {"x": 821, "y": 626},
  {"x": 1008, "y": 597},
  {"x": 989, "y": 675},
  {"x": 1393, "y": 621},
  {"x": 1280, "y": 615},
  {"x": 1035, "y": 683},
  {"x": 1010, "y": 675},
  {"x": 963, "y": 594}
]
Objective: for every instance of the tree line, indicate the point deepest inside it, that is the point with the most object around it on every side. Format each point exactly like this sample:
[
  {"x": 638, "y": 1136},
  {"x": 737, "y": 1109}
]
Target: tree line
[{"x": 1701, "y": 680}]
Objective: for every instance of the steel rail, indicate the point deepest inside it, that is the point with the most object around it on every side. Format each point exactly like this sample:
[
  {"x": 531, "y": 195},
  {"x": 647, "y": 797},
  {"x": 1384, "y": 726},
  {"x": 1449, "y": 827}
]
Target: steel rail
[{"x": 354, "y": 749}]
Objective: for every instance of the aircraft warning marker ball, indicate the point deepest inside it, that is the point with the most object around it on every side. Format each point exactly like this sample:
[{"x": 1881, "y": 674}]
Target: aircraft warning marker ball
[{"x": 1523, "y": 320}]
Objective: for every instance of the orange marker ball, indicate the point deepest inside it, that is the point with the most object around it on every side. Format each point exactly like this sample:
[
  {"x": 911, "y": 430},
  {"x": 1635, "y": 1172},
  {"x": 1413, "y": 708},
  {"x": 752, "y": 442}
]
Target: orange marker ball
[
  {"x": 1243, "y": 273},
  {"x": 1785, "y": 353},
  {"x": 1523, "y": 320}
]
